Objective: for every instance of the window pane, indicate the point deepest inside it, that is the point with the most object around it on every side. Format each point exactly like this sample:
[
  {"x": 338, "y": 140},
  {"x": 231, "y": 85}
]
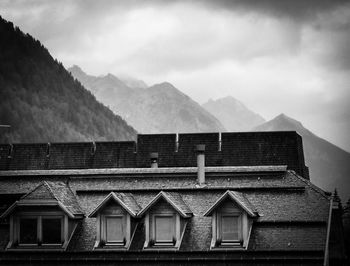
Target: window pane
[
  {"x": 51, "y": 230},
  {"x": 230, "y": 228},
  {"x": 28, "y": 231},
  {"x": 114, "y": 229},
  {"x": 164, "y": 228}
]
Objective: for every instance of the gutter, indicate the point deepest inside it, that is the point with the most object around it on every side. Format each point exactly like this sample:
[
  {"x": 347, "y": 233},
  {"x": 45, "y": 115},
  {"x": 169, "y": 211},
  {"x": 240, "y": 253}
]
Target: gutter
[{"x": 142, "y": 171}]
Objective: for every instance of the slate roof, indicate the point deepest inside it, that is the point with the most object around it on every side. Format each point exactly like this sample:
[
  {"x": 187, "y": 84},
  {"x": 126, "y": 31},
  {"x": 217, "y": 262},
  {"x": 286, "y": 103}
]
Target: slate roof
[
  {"x": 292, "y": 212},
  {"x": 65, "y": 195},
  {"x": 47, "y": 193},
  {"x": 174, "y": 199},
  {"x": 126, "y": 200},
  {"x": 288, "y": 207},
  {"x": 288, "y": 237},
  {"x": 238, "y": 198}
]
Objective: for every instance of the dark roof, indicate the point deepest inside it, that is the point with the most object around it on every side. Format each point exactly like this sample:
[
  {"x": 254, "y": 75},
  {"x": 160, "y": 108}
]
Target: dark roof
[
  {"x": 50, "y": 193},
  {"x": 65, "y": 195},
  {"x": 239, "y": 198},
  {"x": 288, "y": 210},
  {"x": 234, "y": 149},
  {"x": 292, "y": 212},
  {"x": 286, "y": 205},
  {"x": 174, "y": 199},
  {"x": 288, "y": 237},
  {"x": 126, "y": 200}
]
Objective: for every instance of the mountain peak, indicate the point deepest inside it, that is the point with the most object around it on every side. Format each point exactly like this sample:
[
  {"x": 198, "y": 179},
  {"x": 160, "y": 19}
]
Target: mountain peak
[
  {"x": 165, "y": 85},
  {"x": 229, "y": 98},
  {"x": 287, "y": 119},
  {"x": 234, "y": 115},
  {"x": 132, "y": 82},
  {"x": 76, "y": 69},
  {"x": 112, "y": 78},
  {"x": 282, "y": 122}
]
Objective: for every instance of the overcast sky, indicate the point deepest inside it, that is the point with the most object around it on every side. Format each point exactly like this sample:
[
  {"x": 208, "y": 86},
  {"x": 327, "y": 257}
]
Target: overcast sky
[{"x": 290, "y": 56}]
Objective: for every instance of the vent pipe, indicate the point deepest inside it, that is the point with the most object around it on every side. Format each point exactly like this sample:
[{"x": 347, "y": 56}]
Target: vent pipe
[
  {"x": 200, "y": 149},
  {"x": 154, "y": 159}
]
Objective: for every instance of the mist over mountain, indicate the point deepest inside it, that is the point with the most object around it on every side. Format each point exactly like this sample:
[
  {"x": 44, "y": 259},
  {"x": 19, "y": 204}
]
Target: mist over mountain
[
  {"x": 133, "y": 82},
  {"x": 233, "y": 114},
  {"x": 42, "y": 102},
  {"x": 161, "y": 108},
  {"x": 329, "y": 165}
]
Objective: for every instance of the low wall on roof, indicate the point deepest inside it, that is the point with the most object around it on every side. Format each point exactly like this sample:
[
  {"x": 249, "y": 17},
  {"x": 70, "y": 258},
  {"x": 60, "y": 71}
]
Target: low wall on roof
[{"x": 226, "y": 149}]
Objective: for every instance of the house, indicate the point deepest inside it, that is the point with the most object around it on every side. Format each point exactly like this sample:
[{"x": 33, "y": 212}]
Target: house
[{"x": 176, "y": 199}]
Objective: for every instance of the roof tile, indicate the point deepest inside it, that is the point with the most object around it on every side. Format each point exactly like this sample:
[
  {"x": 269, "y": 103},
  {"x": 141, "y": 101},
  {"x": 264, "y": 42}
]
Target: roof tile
[{"x": 288, "y": 237}]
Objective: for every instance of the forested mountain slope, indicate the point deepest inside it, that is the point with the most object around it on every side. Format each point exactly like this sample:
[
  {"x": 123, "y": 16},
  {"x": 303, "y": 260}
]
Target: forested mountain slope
[{"x": 42, "y": 102}]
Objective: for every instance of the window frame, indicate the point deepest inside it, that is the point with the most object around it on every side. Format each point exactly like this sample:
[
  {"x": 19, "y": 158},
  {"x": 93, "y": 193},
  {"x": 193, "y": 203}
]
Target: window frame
[
  {"x": 170, "y": 243},
  {"x": 219, "y": 228},
  {"x": 39, "y": 217},
  {"x": 103, "y": 236}
]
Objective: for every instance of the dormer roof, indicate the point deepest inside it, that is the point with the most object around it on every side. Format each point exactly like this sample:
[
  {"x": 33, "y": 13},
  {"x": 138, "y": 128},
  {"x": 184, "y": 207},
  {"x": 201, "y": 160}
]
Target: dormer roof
[
  {"x": 239, "y": 199},
  {"x": 125, "y": 200},
  {"x": 174, "y": 199},
  {"x": 50, "y": 194}
]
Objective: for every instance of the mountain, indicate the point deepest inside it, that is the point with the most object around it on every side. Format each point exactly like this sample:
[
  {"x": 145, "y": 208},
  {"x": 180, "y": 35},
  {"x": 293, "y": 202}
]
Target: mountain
[
  {"x": 105, "y": 88},
  {"x": 329, "y": 165},
  {"x": 160, "y": 108},
  {"x": 233, "y": 114},
  {"x": 42, "y": 102},
  {"x": 133, "y": 83}
]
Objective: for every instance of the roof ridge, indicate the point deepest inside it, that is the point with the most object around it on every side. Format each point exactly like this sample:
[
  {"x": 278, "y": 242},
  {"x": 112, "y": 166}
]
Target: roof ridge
[
  {"x": 50, "y": 190},
  {"x": 43, "y": 183},
  {"x": 235, "y": 196},
  {"x": 116, "y": 196},
  {"x": 311, "y": 185},
  {"x": 74, "y": 195},
  {"x": 170, "y": 200}
]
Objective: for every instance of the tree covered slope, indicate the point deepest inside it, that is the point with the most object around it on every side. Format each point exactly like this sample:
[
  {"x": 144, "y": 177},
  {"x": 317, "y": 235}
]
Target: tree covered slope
[{"x": 42, "y": 102}]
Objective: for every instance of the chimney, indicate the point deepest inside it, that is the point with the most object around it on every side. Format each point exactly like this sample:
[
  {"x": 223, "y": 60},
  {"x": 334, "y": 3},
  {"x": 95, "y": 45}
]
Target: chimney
[
  {"x": 200, "y": 149},
  {"x": 154, "y": 159}
]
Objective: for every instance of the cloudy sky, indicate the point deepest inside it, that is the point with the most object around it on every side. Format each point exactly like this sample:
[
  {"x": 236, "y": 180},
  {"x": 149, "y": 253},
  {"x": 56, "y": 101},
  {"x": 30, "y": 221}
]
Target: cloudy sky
[{"x": 290, "y": 56}]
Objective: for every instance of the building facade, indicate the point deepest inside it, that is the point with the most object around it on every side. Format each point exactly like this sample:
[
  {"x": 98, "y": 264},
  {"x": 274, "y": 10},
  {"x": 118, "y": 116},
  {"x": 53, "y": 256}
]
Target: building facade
[{"x": 205, "y": 199}]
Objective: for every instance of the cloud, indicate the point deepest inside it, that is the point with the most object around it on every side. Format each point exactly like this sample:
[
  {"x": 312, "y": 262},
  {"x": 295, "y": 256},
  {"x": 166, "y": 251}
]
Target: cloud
[
  {"x": 305, "y": 10},
  {"x": 290, "y": 56}
]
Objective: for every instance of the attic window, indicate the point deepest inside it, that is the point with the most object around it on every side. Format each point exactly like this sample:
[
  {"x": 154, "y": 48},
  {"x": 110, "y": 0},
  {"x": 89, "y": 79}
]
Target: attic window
[
  {"x": 40, "y": 230},
  {"x": 229, "y": 229},
  {"x": 164, "y": 230},
  {"x": 166, "y": 217},
  {"x": 116, "y": 221},
  {"x": 232, "y": 218},
  {"x": 114, "y": 229},
  {"x": 28, "y": 233}
]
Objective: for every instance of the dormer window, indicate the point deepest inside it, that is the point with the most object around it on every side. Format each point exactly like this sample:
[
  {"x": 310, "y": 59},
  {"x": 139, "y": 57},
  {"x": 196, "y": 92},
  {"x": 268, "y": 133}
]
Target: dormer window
[
  {"x": 165, "y": 221},
  {"x": 39, "y": 230},
  {"x": 115, "y": 221},
  {"x": 164, "y": 231},
  {"x": 41, "y": 220},
  {"x": 115, "y": 233},
  {"x": 229, "y": 229},
  {"x": 232, "y": 217}
]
